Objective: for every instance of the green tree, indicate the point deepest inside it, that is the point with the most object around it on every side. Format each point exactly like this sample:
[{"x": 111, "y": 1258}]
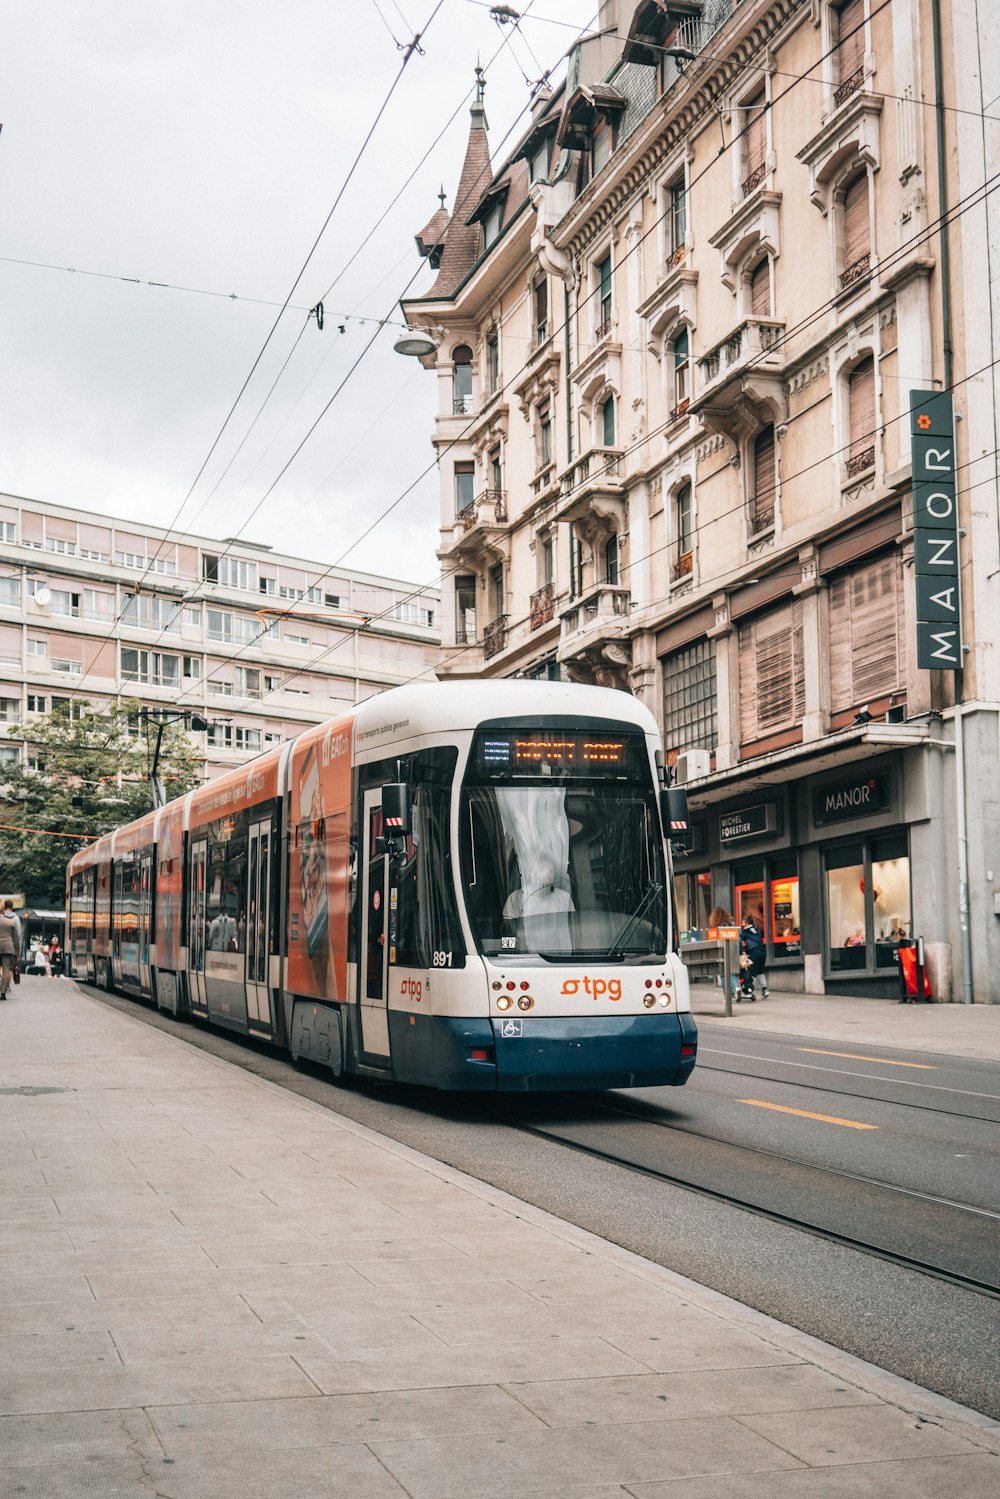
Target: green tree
[{"x": 89, "y": 773}]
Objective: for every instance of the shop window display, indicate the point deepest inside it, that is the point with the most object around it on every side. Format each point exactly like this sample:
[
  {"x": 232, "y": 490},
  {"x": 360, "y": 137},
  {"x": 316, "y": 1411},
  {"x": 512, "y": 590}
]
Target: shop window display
[{"x": 868, "y": 903}]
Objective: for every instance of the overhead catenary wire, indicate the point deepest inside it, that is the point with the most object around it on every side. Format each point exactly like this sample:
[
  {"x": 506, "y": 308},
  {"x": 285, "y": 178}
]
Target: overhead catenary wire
[
  {"x": 339, "y": 561},
  {"x": 287, "y": 301},
  {"x": 735, "y": 138},
  {"x": 929, "y": 230},
  {"x": 702, "y": 525}
]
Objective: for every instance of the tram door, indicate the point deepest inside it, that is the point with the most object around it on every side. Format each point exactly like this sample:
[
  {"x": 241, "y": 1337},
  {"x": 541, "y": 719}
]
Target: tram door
[
  {"x": 374, "y": 935},
  {"x": 258, "y": 943},
  {"x": 196, "y": 924},
  {"x": 145, "y": 918}
]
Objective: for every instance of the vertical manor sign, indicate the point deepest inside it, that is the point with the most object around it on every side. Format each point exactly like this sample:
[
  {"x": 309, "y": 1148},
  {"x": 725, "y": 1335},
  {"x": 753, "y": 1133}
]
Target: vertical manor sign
[{"x": 935, "y": 525}]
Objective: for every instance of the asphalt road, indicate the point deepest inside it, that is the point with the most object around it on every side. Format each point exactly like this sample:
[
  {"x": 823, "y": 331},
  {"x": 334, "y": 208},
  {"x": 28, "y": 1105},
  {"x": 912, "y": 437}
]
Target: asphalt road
[{"x": 917, "y": 1181}]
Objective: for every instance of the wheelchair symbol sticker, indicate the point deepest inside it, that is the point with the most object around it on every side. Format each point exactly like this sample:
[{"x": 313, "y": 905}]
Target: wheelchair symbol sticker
[{"x": 510, "y": 1028}]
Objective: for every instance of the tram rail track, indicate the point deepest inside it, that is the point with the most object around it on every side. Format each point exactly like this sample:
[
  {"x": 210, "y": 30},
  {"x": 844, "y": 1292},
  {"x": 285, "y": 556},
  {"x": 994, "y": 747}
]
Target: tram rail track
[{"x": 803, "y": 1225}]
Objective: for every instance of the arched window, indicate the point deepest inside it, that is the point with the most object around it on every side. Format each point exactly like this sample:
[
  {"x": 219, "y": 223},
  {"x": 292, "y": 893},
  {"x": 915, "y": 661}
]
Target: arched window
[
  {"x": 857, "y": 244},
  {"x": 682, "y": 372},
  {"x": 764, "y": 479},
  {"x": 760, "y": 289},
  {"x": 462, "y": 380},
  {"x": 861, "y": 417},
  {"x": 608, "y": 422}
]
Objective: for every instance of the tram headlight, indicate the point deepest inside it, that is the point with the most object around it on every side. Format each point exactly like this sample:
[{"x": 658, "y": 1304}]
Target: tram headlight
[
  {"x": 664, "y": 999},
  {"x": 524, "y": 1002},
  {"x": 649, "y": 1000},
  {"x": 504, "y": 1001}
]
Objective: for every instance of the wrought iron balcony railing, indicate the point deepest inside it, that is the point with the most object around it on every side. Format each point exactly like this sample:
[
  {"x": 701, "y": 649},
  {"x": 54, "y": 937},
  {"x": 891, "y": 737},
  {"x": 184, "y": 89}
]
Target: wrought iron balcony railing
[
  {"x": 495, "y": 636},
  {"x": 543, "y": 606}
]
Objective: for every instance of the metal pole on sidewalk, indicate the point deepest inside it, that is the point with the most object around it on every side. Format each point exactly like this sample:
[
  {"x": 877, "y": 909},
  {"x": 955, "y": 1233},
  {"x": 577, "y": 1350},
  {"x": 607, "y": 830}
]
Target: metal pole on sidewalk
[
  {"x": 963, "y": 853},
  {"x": 727, "y": 974}
]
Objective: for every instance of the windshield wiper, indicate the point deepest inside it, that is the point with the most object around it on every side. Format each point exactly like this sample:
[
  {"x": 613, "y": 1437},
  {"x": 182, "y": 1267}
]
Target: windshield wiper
[{"x": 630, "y": 921}]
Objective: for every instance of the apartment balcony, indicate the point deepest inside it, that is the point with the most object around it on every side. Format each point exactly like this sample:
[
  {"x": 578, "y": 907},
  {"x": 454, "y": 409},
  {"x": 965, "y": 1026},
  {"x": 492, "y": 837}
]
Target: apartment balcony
[
  {"x": 595, "y": 481},
  {"x": 480, "y": 528},
  {"x": 595, "y": 614},
  {"x": 592, "y": 642},
  {"x": 495, "y": 636},
  {"x": 542, "y": 607},
  {"x": 741, "y": 380}
]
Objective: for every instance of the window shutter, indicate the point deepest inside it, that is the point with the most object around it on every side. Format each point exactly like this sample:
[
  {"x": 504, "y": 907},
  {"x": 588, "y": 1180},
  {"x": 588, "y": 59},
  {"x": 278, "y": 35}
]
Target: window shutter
[
  {"x": 874, "y": 628},
  {"x": 857, "y": 241},
  {"x": 762, "y": 508},
  {"x": 760, "y": 290},
  {"x": 866, "y": 642},
  {"x": 862, "y": 404},
  {"x": 850, "y": 27},
  {"x": 772, "y": 676},
  {"x": 756, "y": 136}
]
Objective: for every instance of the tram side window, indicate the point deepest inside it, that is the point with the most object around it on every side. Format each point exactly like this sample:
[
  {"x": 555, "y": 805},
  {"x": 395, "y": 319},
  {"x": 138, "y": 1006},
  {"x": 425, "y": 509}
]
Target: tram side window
[
  {"x": 126, "y": 905},
  {"x": 82, "y": 889},
  {"x": 225, "y": 905},
  {"x": 428, "y": 934}
]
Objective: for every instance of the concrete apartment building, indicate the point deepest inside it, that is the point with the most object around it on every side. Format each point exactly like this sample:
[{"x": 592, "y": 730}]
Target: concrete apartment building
[
  {"x": 259, "y": 643},
  {"x": 675, "y": 334}
]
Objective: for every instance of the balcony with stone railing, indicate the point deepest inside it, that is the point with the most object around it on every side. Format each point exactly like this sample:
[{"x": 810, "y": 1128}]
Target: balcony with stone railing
[
  {"x": 595, "y": 480},
  {"x": 741, "y": 380},
  {"x": 598, "y": 613}
]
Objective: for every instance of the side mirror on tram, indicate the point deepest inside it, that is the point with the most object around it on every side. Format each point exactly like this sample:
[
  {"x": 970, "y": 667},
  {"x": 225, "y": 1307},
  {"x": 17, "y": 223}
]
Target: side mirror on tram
[
  {"x": 396, "y": 821},
  {"x": 674, "y": 811},
  {"x": 396, "y": 809}
]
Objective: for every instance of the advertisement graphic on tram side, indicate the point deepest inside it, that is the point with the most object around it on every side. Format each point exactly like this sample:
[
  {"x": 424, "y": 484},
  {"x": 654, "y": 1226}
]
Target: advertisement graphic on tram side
[{"x": 319, "y": 874}]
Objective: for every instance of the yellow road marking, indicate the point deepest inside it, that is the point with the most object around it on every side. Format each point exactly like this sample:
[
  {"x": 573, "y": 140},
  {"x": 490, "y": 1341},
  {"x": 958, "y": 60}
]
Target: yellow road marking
[
  {"x": 781, "y": 1108},
  {"x": 855, "y": 1057}
]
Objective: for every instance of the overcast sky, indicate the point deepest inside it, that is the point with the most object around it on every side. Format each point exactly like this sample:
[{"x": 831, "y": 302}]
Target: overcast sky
[{"x": 202, "y": 145}]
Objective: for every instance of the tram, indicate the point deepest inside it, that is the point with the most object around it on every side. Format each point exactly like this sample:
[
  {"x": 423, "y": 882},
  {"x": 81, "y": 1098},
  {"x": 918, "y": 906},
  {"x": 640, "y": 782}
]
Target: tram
[{"x": 461, "y": 885}]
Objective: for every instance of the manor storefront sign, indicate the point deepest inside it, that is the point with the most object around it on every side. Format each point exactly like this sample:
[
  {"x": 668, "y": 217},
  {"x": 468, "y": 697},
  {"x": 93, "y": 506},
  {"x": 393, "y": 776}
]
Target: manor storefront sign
[
  {"x": 849, "y": 799},
  {"x": 935, "y": 527}
]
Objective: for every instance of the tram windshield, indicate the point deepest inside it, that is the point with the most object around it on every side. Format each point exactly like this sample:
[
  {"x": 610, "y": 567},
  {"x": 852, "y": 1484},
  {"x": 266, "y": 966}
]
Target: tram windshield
[{"x": 561, "y": 848}]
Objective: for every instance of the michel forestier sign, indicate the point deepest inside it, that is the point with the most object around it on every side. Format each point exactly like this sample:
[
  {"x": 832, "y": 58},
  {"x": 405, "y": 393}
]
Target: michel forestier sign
[{"x": 935, "y": 526}]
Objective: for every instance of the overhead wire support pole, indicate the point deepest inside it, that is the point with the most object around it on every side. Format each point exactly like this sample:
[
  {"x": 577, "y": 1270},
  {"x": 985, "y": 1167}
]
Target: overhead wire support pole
[{"x": 961, "y": 813}]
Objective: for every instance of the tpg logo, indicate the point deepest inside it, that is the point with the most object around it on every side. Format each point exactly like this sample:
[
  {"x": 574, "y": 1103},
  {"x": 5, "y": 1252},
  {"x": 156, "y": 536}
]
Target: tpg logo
[
  {"x": 413, "y": 988},
  {"x": 596, "y": 988}
]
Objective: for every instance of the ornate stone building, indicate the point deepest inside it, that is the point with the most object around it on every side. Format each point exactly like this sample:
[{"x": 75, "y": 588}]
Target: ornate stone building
[{"x": 675, "y": 334}]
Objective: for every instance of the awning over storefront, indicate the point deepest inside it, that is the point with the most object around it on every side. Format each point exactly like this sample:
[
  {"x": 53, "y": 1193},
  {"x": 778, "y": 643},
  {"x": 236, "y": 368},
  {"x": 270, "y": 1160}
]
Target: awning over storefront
[{"x": 764, "y": 772}]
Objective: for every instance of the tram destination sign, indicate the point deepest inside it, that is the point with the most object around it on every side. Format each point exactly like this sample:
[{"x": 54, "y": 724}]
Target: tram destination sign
[{"x": 935, "y": 526}]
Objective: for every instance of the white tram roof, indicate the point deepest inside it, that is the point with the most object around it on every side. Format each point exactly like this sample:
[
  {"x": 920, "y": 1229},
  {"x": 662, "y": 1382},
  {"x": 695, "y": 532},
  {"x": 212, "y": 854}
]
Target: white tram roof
[{"x": 436, "y": 709}]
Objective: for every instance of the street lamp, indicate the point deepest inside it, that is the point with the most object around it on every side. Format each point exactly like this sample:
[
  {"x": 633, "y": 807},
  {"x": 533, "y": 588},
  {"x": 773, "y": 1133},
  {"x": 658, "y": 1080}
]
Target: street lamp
[
  {"x": 197, "y": 724},
  {"x": 416, "y": 342}
]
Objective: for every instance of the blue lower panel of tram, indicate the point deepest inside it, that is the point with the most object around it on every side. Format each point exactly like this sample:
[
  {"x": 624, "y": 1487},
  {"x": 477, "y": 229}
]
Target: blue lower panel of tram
[{"x": 515, "y": 1054}]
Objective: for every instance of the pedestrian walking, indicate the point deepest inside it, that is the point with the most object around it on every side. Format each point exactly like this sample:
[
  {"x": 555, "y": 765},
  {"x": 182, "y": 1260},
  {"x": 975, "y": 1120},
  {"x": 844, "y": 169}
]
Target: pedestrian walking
[
  {"x": 10, "y": 946},
  {"x": 753, "y": 958}
]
